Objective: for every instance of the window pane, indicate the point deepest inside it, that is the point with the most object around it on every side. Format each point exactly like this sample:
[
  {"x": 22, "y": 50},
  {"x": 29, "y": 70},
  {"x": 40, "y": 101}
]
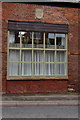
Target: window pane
[
  {"x": 60, "y": 41},
  {"x": 50, "y": 40},
  {"x": 61, "y": 56},
  {"x": 14, "y": 55},
  {"x": 34, "y": 58},
  {"x": 38, "y": 69},
  {"x": 49, "y": 69},
  {"x": 38, "y": 56},
  {"x": 49, "y": 56},
  {"x": 26, "y": 39},
  {"x": 14, "y": 39},
  {"x": 61, "y": 69},
  {"x": 27, "y": 69},
  {"x": 13, "y": 69},
  {"x": 26, "y": 56},
  {"x": 38, "y": 40}
]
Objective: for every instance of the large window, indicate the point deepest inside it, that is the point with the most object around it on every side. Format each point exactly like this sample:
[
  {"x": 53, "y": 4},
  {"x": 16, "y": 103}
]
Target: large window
[{"x": 42, "y": 54}]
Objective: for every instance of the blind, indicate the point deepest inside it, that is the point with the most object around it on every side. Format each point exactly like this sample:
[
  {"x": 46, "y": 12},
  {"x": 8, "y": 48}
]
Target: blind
[{"x": 36, "y": 26}]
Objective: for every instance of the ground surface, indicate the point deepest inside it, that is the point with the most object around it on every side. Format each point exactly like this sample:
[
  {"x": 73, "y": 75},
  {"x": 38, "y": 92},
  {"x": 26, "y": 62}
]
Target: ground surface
[{"x": 40, "y": 111}]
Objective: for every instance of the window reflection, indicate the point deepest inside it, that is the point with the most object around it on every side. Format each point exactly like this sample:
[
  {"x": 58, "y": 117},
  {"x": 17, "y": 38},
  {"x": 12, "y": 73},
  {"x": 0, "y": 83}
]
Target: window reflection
[
  {"x": 60, "y": 41},
  {"x": 26, "y": 41},
  {"x": 14, "y": 39},
  {"x": 38, "y": 40},
  {"x": 50, "y": 41}
]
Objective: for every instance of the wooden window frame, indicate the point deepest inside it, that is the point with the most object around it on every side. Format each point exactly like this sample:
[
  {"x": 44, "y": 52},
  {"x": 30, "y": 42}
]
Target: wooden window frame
[{"x": 33, "y": 77}]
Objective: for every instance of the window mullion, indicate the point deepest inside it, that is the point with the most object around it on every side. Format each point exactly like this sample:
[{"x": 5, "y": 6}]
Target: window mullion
[
  {"x": 55, "y": 40},
  {"x": 55, "y": 57},
  {"x": 20, "y": 69},
  {"x": 8, "y": 54},
  {"x": 20, "y": 40},
  {"x": 66, "y": 55},
  {"x": 44, "y": 71},
  {"x": 32, "y": 53},
  {"x": 55, "y": 69}
]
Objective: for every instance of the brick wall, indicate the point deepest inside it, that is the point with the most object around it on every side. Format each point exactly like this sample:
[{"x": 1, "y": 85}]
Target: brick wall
[
  {"x": 52, "y": 14},
  {"x": 0, "y": 47},
  {"x": 79, "y": 49}
]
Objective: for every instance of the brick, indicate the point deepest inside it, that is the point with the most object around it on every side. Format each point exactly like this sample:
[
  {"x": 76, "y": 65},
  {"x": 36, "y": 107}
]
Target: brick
[{"x": 52, "y": 14}]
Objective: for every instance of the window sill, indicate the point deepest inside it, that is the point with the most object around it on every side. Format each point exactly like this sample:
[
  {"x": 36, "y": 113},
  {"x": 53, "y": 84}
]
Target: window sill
[{"x": 28, "y": 78}]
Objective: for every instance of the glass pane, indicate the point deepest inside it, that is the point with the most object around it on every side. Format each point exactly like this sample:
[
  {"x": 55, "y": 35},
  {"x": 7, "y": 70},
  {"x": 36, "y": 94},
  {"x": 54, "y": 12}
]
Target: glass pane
[
  {"x": 38, "y": 56},
  {"x": 13, "y": 69},
  {"x": 27, "y": 69},
  {"x": 38, "y": 69},
  {"x": 38, "y": 40},
  {"x": 61, "y": 69},
  {"x": 60, "y": 41},
  {"x": 26, "y": 39},
  {"x": 14, "y": 39},
  {"x": 49, "y": 56},
  {"x": 26, "y": 56},
  {"x": 14, "y": 55},
  {"x": 61, "y": 56},
  {"x": 49, "y": 69},
  {"x": 50, "y": 40}
]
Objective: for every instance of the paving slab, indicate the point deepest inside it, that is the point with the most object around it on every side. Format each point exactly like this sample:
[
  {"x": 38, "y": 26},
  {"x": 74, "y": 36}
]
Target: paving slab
[
  {"x": 39, "y": 97},
  {"x": 22, "y": 100},
  {"x": 55, "y": 103}
]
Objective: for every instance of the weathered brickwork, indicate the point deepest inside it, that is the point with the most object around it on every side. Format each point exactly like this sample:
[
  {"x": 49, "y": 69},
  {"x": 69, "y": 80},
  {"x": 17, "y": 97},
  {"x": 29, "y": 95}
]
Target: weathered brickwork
[
  {"x": 0, "y": 47},
  {"x": 52, "y": 14},
  {"x": 42, "y": 86},
  {"x": 79, "y": 49}
]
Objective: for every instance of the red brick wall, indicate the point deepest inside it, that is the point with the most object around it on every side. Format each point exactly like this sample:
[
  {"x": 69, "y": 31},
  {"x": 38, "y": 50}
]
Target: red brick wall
[
  {"x": 79, "y": 49},
  {"x": 57, "y": 15},
  {"x": 42, "y": 86},
  {"x": 0, "y": 47}
]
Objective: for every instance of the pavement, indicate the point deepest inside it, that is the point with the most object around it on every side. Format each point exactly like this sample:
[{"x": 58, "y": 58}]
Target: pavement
[{"x": 54, "y": 99}]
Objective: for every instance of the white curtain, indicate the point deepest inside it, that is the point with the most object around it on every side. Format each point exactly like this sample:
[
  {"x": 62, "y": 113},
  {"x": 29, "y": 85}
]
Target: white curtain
[
  {"x": 38, "y": 65},
  {"x": 13, "y": 69},
  {"x": 49, "y": 66},
  {"x": 13, "y": 66},
  {"x": 50, "y": 69},
  {"x": 61, "y": 67},
  {"x": 39, "y": 58},
  {"x": 14, "y": 55},
  {"x": 49, "y": 56},
  {"x": 60, "y": 57},
  {"x": 27, "y": 67}
]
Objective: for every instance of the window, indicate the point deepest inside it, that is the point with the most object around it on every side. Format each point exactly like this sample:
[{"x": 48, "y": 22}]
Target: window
[{"x": 42, "y": 54}]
